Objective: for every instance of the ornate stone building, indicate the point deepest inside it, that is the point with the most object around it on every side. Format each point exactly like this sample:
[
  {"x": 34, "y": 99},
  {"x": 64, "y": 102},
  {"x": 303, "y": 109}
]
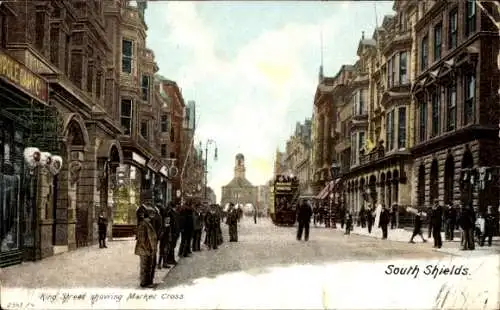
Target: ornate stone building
[
  {"x": 456, "y": 91},
  {"x": 297, "y": 155},
  {"x": 239, "y": 190}
]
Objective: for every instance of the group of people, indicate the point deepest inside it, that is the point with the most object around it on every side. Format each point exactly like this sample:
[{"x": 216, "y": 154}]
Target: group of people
[{"x": 160, "y": 227}]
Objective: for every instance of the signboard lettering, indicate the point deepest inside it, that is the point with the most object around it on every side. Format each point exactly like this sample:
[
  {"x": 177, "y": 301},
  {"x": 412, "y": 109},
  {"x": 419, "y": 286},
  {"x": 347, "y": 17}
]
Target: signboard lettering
[
  {"x": 283, "y": 186},
  {"x": 21, "y": 76}
]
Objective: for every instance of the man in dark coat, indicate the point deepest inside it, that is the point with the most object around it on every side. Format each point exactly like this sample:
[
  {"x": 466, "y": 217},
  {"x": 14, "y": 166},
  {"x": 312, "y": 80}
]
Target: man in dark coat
[
  {"x": 304, "y": 218},
  {"x": 429, "y": 220},
  {"x": 186, "y": 230},
  {"x": 348, "y": 222},
  {"x": 394, "y": 216},
  {"x": 450, "y": 218},
  {"x": 165, "y": 237},
  {"x": 342, "y": 217},
  {"x": 232, "y": 222},
  {"x": 218, "y": 224},
  {"x": 198, "y": 227},
  {"x": 384, "y": 221},
  {"x": 437, "y": 220},
  {"x": 102, "y": 224},
  {"x": 417, "y": 229},
  {"x": 489, "y": 226},
  {"x": 211, "y": 229},
  {"x": 174, "y": 233},
  {"x": 145, "y": 246},
  {"x": 467, "y": 221},
  {"x": 369, "y": 219}
]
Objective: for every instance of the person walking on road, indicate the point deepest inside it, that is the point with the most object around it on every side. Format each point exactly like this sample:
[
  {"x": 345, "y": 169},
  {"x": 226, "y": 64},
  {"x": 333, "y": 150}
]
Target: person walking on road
[
  {"x": 232, "y": 222},
  {"x": 198, "y": 228},
  {"x": 467, "y": 221},
  {"x": 348, "y": 223},
  {"x": 450, "y": 218},
  {"x": 211, "y": 229},
  {"x": 165, "y": 237},
  {"x": 417, "y": 229},
  {"x": 304, "y": 218},
  {"x": 174, "y": 233},
  {"x": 255, "y": 215},
  {"x": 489, "y": 227},
  {"x": 437, "y": 220},
  {"x": 186, "y": 230},
  {"x": 384, "y": 221},
  {"x": 369, "y": 219},
  {"x": 102, "y": 224},
  {"x": 145, "y": 247}
]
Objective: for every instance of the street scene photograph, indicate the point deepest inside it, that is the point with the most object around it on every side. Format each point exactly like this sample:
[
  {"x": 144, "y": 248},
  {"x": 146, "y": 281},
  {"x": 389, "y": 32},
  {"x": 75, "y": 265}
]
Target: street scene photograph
[{"x": 249, "y": 154}]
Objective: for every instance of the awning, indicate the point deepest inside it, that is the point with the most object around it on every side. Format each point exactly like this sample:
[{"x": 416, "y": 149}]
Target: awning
[{"x": 325, "y": 191}]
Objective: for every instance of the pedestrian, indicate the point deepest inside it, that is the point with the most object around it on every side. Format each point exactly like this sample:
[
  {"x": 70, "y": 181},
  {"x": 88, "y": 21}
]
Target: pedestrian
[
  {"x": 429, "y": 219},
  {"x": 198, "y": 228},
  {"x": 304, "y": 218},
  {"x": 232, "y": 222},
  {"x": 186, "y": 230},
  {"x": 369, "y": 219},
  {"x": 102, "y": 225},
  {"x": 362, "y": 216},
  {"x": 174, "y": 233},
  {"x": 342, "y": 217},
  {"x": 437, "y": 220},
  {"x": 394, "y": 216},
  {"x": 218, "y": 224},
  {"x": 211, "y": 229},
  {"x": 165, "y": 237},
  {"x": 417, "y": 228},
  {"x": 489, "y": 226},
  {"x": 450, "y": 218},
  {"x": 348, "y": 223},
  {"x": 384, "y": 221},
  {"x": 467, "y": 221},
  {"x": 255, "y": 215},
  {"x": 145, "y": 247}
]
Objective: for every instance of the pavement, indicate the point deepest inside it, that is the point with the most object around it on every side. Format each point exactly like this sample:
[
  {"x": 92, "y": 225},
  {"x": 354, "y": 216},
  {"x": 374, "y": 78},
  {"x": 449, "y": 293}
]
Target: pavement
[
  {"x": 114, "y": 266},
  {"x": 449, "y": 247}
]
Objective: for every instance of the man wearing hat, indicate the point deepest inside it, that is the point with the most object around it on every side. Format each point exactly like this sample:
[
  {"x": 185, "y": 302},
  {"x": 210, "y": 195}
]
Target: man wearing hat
[{"x": 145, "y": 247}]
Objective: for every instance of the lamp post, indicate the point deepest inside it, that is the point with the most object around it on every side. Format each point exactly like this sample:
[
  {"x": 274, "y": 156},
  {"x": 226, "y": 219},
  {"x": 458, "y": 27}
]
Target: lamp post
[{"x": 205, "y": 164}]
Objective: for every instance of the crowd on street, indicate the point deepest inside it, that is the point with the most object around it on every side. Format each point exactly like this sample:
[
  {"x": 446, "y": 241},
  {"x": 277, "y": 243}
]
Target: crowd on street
[
  {"x": 475, "y": 228},
  {"x": 160, "y": 227}
]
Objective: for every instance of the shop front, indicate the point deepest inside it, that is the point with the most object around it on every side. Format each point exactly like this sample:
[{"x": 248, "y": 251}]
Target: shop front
[{"x": 29, "y": 144}]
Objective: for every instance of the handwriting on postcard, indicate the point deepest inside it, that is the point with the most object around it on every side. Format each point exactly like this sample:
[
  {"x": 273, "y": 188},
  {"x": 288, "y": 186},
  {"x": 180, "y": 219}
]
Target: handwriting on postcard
[{"x": 84, "y": 299}]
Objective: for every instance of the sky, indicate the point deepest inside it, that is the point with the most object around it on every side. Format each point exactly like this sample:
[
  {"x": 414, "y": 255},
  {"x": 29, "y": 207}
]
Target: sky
[{"x": 252, "y": 68}]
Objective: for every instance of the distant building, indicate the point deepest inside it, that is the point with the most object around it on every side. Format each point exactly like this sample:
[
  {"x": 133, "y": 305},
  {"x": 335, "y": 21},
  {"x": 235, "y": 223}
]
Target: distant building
[
  {"x": 211, "y": 197},
  {"x": 262, "y": 198},
  {"x": 239, "y": 190}
]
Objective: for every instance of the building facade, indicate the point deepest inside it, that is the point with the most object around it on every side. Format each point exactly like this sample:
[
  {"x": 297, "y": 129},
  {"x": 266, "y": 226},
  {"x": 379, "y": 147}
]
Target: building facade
[
  {"x": 80, "y": 123},
  {"x": 298, "y": 154},
  {"x": 456, "y": 93},
  {"x": 239, "y": 190}
]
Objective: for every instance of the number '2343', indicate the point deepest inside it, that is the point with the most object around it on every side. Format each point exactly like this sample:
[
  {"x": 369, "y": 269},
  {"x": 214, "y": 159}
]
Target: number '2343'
[{"x": 19, "y": 305}]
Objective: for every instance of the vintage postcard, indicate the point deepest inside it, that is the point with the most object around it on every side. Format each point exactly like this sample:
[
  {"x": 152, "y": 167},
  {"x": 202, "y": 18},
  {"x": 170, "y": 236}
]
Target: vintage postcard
[{"x": 249, "y": 154}]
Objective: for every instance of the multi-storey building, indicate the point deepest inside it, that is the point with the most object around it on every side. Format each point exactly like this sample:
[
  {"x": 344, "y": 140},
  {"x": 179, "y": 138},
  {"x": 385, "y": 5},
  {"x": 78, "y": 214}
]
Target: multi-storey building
[
  {"x": 297, "y": 155},
  {"x": 381, "y": 105},
  {"x": 76, "y": 82},
  {"x": 322, "y": 132},
  {"x": 456, "y": 93}
]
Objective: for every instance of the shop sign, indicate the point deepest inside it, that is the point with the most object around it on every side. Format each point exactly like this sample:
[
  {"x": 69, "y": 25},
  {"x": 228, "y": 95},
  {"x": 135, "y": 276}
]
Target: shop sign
[
  {"x": 17, "y": 73},
  {"x": 138, "y": 159},
  {"x": 283, "y": 186}
]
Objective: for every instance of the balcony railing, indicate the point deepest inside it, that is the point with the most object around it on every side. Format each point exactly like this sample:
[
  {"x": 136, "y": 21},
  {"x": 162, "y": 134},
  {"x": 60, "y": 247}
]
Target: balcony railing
[{"x": 372, "y": 156}]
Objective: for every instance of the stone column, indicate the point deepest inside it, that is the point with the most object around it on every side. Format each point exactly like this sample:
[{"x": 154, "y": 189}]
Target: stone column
[{"x": 75, "y": 170}]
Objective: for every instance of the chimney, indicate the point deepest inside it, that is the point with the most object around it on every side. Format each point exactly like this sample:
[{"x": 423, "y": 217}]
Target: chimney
[{"x": 362, "y": 35}]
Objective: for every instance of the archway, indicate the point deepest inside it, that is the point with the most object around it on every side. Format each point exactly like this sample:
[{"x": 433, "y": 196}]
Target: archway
[
  {"x": 449, "y": 179},
  {"x": 421, "y": 186},
  {"x": 71, "y": 225},
  {"x": 434, "y": 186}
]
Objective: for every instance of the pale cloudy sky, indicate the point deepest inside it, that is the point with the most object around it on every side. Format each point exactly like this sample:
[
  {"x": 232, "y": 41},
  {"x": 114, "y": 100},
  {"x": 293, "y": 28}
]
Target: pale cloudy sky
[{"x": 252, "y": 68}]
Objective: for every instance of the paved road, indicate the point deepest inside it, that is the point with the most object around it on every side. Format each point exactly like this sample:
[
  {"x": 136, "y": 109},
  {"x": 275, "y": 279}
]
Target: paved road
[{"x": 264, "y": 245}]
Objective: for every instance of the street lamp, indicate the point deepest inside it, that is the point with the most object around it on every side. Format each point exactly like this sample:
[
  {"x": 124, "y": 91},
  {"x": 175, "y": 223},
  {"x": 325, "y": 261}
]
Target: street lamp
[
  {"x": 205, "y": 168},
  {"x": 330, "y": 219}
]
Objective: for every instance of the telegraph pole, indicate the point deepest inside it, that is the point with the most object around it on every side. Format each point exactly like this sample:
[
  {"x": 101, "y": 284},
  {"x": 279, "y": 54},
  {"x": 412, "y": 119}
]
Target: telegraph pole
[{"x": 205, "y": 165}]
